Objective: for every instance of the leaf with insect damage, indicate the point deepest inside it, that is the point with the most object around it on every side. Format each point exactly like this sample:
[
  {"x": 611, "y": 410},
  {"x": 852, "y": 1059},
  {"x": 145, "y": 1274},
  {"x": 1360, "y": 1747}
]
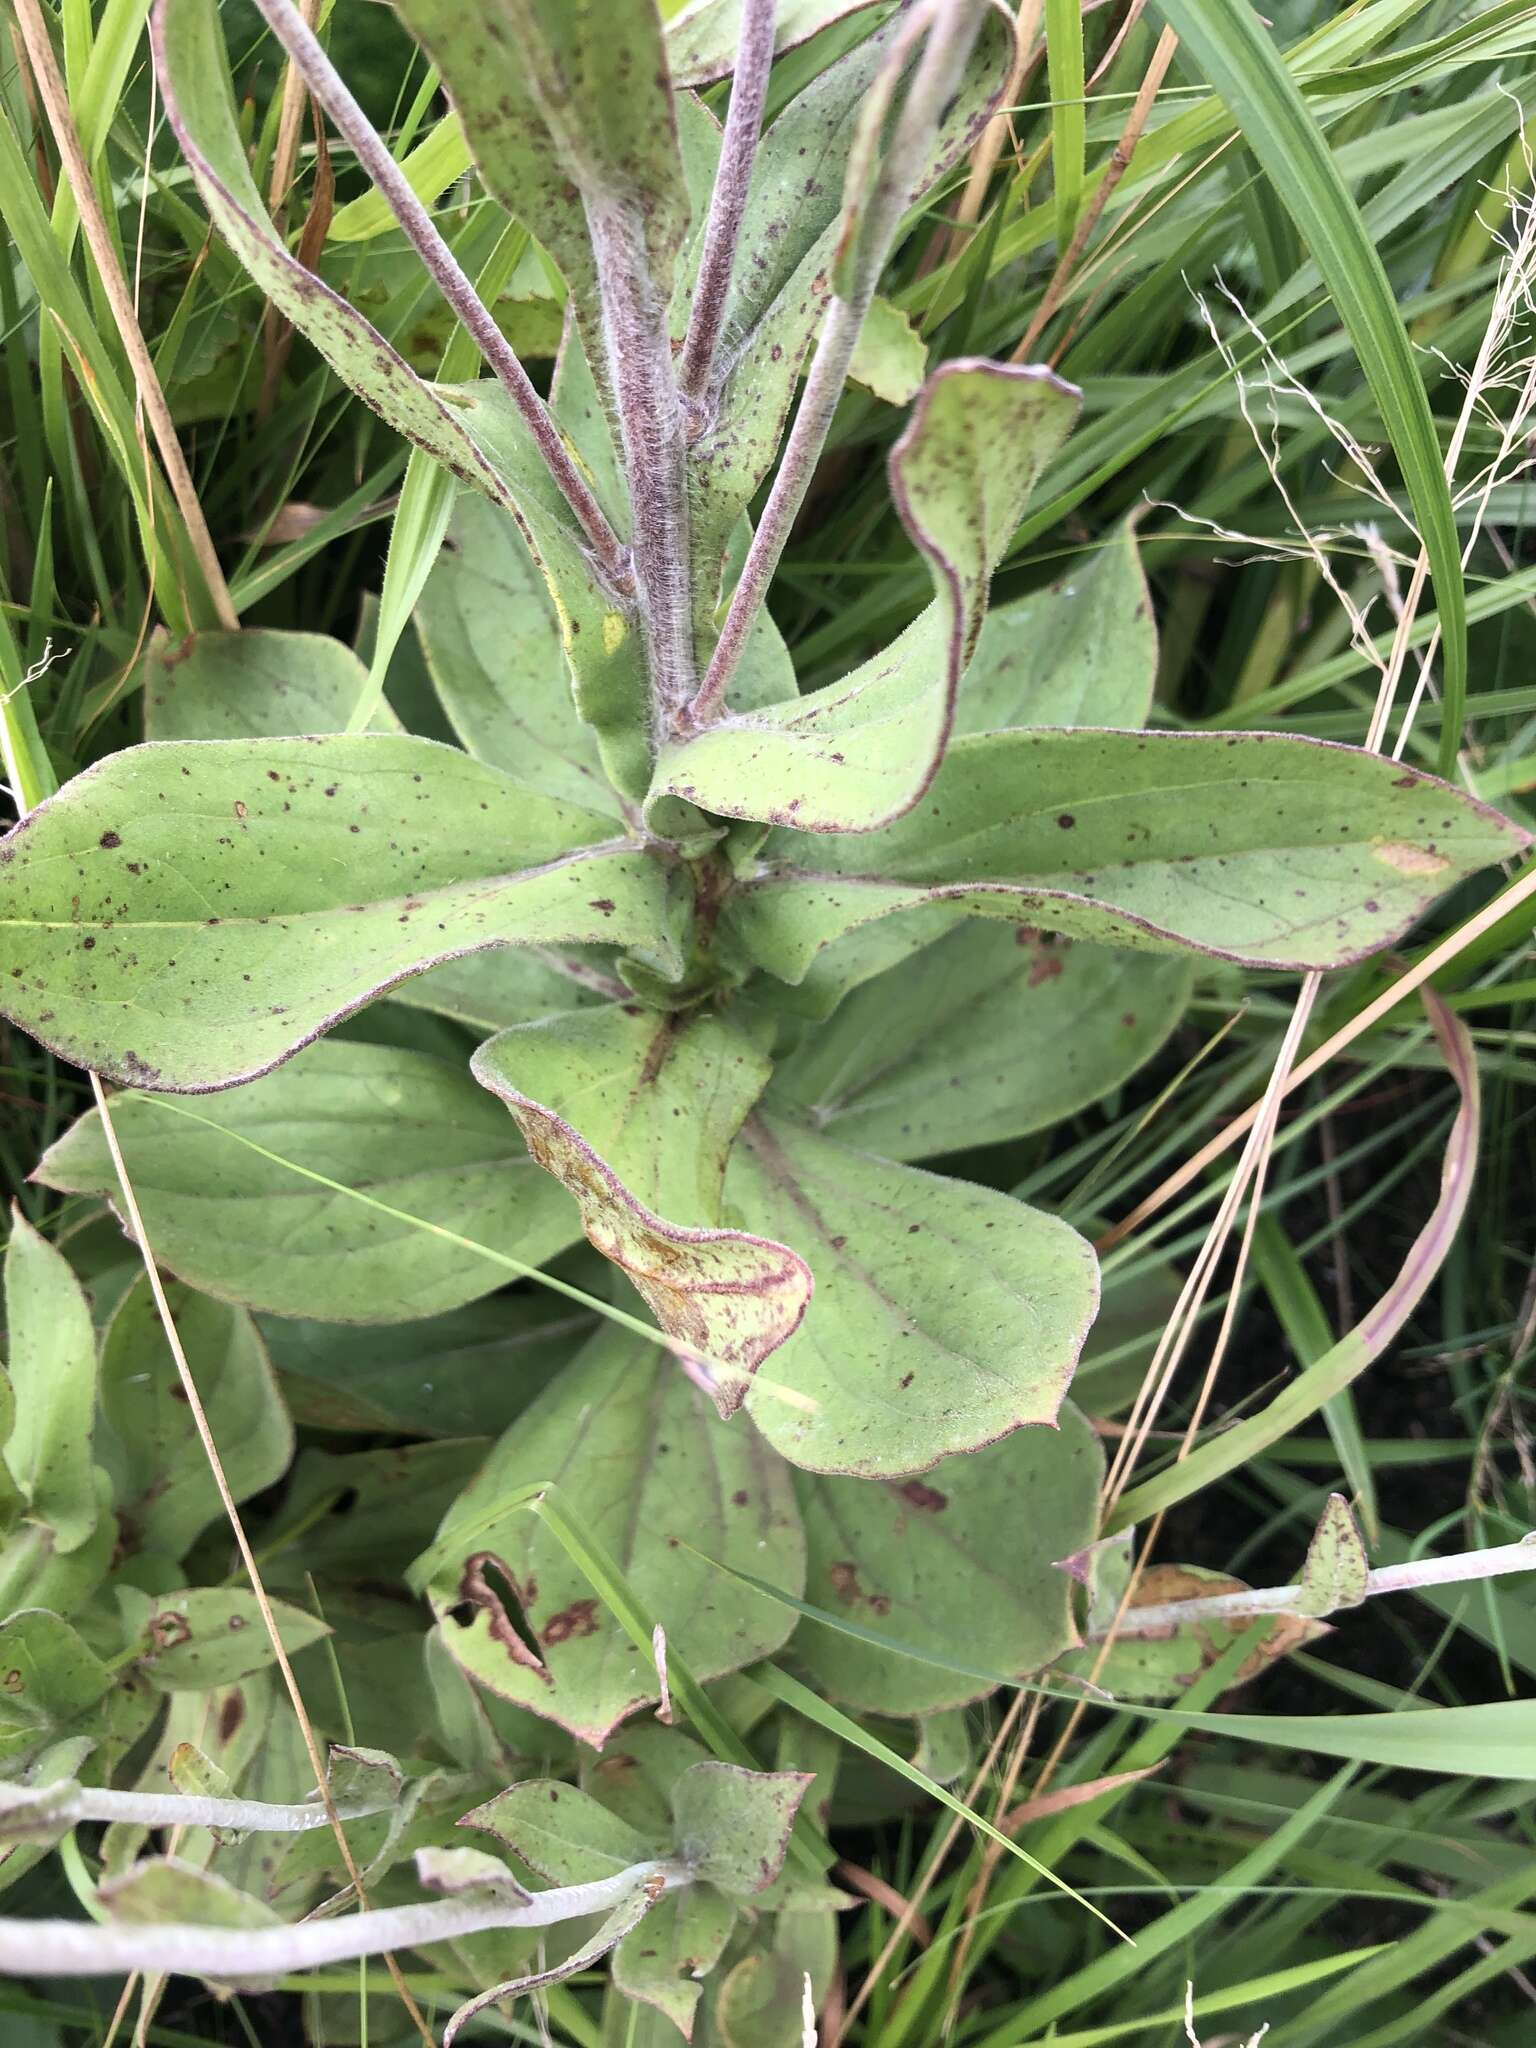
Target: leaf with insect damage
[
  {"x": 860, "y": 752},
  {"x": 399, "y": 1128},
  {"x": 634, "y": 1112},
  {"x": 782, "y": 279},
  {"x": 945, "y": 1316},
  {"x": 52, "y": 1359},
  {"x": 163, "y": 1482},
  {"x": 215, "y": 1635},
  {"x": 656, "y": 1471},
  {"x": 959, "y": 1563},
  {"x": 1080, "y": 651},
  {"x": 186, "y": 916},
  {"x": 1268, "y": 850},
  {"x": 925, "y": 1059},
  {"x": 256, "y": 684},
  {"x": 1336, "y": 1568}
]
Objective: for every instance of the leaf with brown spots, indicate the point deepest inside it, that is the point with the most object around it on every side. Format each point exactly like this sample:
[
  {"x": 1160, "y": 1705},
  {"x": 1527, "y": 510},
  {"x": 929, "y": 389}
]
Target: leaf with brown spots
[
  {"x": 945, "y": 1316},
  {"x": 624, "y": 1433},
  {"x": 206, "y": 946},
  {"x": 635, "y": 1112},
  {"x": 859, "y": 753},
  {"x": 1261, "y": 848},
  {"x": 959, "y": 1564}
]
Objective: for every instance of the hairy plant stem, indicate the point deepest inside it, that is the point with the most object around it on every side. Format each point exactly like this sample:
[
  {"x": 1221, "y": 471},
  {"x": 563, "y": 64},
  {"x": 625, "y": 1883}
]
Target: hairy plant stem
[
  {"x": 330, "y": 89},
  {"x": 82, "y": 1948},
  {"x": 728, "y": 201},
  {"x": 878, "y": 193},
  {"x": 24, "y": 1808},
  {"x": 1493, "y": 1563},
  {"x": 655, "y": 447}
]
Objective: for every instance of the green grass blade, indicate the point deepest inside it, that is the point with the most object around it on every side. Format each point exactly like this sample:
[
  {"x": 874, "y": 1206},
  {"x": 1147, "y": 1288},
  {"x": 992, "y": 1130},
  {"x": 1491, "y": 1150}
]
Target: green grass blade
[
  {"x": 1069, "y": 123},
  {"x": 1243, "y": 65}
]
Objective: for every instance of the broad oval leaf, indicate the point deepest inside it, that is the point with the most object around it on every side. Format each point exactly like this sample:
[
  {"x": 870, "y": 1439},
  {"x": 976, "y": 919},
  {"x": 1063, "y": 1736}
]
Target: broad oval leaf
[
  {"x": 52, "y": 1360},
  {"x": 1264, "y": 849},
  {"x": 213, "y": 1635},
  {"x": 988, "y": 1034},
  {"x": 945, "y": 1315},
  {"x": 165, "y": 1489},
  {"x": 659, "y": 1100},
  {"x": 255, "y": 684},
  {"x": 1080, "y": 651},
  {"x": 185, "y": 916},
  {"x": 860, "y": 752},
  {"x": 960, "y": 1563},
  {"x": 399, "y": 1127},
  {"x": 656, "y": 1471}
]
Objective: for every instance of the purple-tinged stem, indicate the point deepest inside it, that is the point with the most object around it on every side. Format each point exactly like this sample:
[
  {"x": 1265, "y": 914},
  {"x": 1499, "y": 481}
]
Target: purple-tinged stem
[
  {"x": 330, "y": 89},
  {"x": 872, "y": 221},
  {"x": 650, "y": 416},
  {"x": 728, "y": 202}
]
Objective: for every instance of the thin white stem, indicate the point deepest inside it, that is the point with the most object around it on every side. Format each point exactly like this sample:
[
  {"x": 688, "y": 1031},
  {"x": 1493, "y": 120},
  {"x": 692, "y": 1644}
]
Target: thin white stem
[
  {"x": 82, "y": 1948},
  {"x": 330, "y": 89},
  {"x": 1496, "y": 1563},
  {"x": 26, "y": 1807},
  {"x": 728, "y": 202},
  {"x": 954, "y": 26}
]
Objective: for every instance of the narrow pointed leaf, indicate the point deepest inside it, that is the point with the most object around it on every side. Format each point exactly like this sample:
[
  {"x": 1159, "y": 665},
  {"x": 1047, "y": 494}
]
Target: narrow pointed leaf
[
  {"x": 860, "y": 752},
  {"x": 400, "y": 1127},
  {"x": 1267, "y": 850},
  {"x": 625, "y": 1433},
  {"x": 959, "y": 1562},
  {"x": 1081, "y": 651},
  {"x": 1336, "y": 1568},
  {"x": 732, "y": 1826},
  {"x": 945, "y": 1315},
  {"x": 659, "y": 1102},
  {"x": 52, "y": 1361},
  {"x": 927, "y": 1058},
  {"x": 185, "y": 916}
]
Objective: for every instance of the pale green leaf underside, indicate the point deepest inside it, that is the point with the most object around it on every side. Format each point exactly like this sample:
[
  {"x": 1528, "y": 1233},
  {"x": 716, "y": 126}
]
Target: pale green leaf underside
[
  {"x": 634, "y": 1112},
  {"x": 626, "y": 1434},
  {"x": 661, "y": 1962},
  {"x": 399, "y": 1127},
  {"x": 230, "y": 899},
  {"x": 1267, "y": 850},
  {"x": 51, "y": 1350},
  {"x": 256, "y": 684},
  {"x": 563, "y": 1833},
  {"x": 960, "y": 1564},
  {"x": 1082, "y": 651},
  {"x": 732, "y": 1825},
  {"x": 860, "y": 752},
  {"x": 702, "y": 39},
  {"x": 945, "y": 1315},
  {"x": 990, "y": 1033}
]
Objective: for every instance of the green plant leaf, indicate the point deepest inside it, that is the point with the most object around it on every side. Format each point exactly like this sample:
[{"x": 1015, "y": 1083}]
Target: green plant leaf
[
  {"x": 214, "y": 1635},
  {"x": 630, "y": 1438},
  {"x": 782, "y": 278},
  {"x": 257, "y": 684},
  {"x": 53, "y": 1378},
  {"x": 945, "y": 1315},
  {"x": 660, "y": 1100},
  {"x": 925, "y": 1059},
  {"x": 237, "y": 1225},
  {"x": 567, "y": 107},
  {"x": 961, "y": 1562},
  {"x": 860, "y": 752},
  {"x": 1242, "y": 63},
  {"x": 1336, "y": 1568},
  {"x": 891, "y": 358},
  {"x": 562, "y": 1832},
  {"x": 732, "y": 1826},
  {"x": 628, "y": 1914},
  {"x": 222, "y": 903},
  {"x": 680, "y": 1941},
  {"x": 702, "y": 38},
  {"x": 493, "y": 645},
  {"x": 164, "y": 1485},
  {"x": 431, "y": 167},
  {"x": 1267, "y": 850},
  {"x": 761, "y": 2002},
  {"x": 1080, "y": 651},
  {"x": 471, "y": 1369},
  {"x": 49, "y": 1679},
  {"x": 490, "y": 991},
  {"x": 193, "y": 68}
]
